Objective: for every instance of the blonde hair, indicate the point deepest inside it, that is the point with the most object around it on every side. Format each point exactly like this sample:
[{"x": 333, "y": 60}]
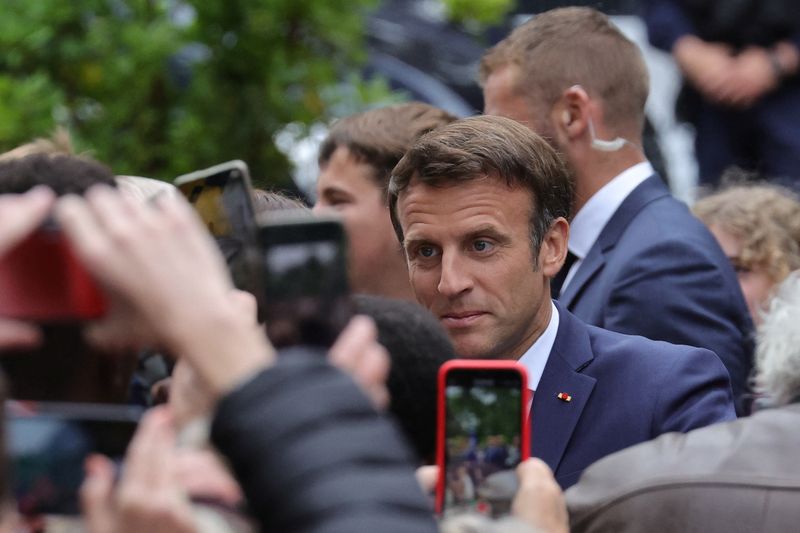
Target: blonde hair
[
  {"x": 59, "y": 143},
  {"x": 144, "y": 189},
  {"x": 765, "y": 218}
]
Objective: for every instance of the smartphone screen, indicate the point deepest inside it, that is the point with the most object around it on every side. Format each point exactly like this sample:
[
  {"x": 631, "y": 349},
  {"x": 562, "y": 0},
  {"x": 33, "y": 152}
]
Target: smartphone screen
[
  {"x": 48, "y": 446},
  {"x": 483, "y": 424},
  {"x": 221, "y": 195},
  {"x": 306, "y": 295}
]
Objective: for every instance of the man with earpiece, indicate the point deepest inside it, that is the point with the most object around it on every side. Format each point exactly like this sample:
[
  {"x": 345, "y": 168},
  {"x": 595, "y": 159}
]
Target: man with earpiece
[{"x": 638, "y": 261}]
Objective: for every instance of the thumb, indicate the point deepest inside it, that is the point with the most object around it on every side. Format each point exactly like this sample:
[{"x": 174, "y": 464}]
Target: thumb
[{"x": 97, "y": 495}]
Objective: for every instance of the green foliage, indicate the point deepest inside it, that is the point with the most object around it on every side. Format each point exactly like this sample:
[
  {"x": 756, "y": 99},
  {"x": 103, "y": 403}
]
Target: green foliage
[
  {"x": 478, "y": 13},
  {"x": 161, "y": 87}
]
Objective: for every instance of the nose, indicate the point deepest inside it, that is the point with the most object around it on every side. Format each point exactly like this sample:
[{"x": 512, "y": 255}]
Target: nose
[
  {"x": 455, "y": 278},
  {"x": 319, "y": 208}
]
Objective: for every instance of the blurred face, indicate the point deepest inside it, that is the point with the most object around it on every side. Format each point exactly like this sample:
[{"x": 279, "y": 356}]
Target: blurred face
[
  {"x": 346, "y": 186},
  {"x": 502, "y": 99},
  {"x": 471, "y": 264},
  {"x": 756, "y": 283}
]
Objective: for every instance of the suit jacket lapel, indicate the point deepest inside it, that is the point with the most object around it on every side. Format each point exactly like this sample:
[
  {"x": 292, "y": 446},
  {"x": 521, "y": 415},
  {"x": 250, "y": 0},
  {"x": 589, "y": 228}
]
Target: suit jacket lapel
[
  {"x": 650, "y": 189},
  {"x": 553, "y": 420}
]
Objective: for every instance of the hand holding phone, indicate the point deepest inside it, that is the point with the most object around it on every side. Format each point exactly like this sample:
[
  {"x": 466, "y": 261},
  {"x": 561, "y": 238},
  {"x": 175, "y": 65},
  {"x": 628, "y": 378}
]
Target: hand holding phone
[{"x": 482, "y": 434}]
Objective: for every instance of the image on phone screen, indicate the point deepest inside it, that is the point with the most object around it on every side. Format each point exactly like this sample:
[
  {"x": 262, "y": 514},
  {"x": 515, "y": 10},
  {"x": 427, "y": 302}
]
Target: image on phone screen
[
  {"x": 47, "y": 450},
  {"x": 221, "y": 195},
  {"x": 306, "y": 289},
  {"x": 482, "y": 438}
]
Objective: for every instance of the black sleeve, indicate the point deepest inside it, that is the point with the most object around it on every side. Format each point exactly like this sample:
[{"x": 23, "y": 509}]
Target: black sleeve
[{"x": 312, "y": 455}]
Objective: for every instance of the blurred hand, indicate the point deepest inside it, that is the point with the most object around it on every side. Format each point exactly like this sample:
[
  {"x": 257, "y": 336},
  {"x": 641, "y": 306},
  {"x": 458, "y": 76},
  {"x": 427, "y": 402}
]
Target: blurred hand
[
  {"x": 203, "y": 475},
  {"x": 167, "y": 283},
  {"x": 752, "y": 77},
  {"x": 20, "y": 214},
  {"x": 427, "y": 476},
  {"x": 149, "y": 497},
  {"x": 539, "y": 500},
  {"x": 707, "y": 66},
  {"x": 358, "y": 353}
]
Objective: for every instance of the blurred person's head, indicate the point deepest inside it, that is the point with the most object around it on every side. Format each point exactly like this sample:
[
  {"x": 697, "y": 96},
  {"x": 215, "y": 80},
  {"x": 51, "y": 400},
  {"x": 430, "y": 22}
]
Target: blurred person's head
[
  {"x": 571, "y": 76},
  {"x": 144, "y": 189},
  {"x": 758, "y": 228},
  {"x": 418, "y": 346},
  {"x": 778, "y": 346},
  {"x": 64, "y": 174},
  {"x": 481, "y": 208},
  {"x": 356, "y": 161},
  {"x": 267, "y": 201},
  {"x": 59, "y": 143}
]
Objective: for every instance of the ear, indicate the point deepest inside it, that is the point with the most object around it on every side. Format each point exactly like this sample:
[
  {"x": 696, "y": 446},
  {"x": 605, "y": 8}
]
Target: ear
[
  {"x": 572, "y": 111},
  {"x": 553, "y": 251}
]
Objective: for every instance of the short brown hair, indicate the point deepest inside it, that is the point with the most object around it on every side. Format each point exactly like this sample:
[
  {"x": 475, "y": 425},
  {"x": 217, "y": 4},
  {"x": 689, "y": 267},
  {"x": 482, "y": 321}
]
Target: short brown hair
[
  {"x": 489, "y": 146},
  {"x": 766, "y": 218},
  {"x": 575, "y": 46},
  {"x": 380, "y": 137}
]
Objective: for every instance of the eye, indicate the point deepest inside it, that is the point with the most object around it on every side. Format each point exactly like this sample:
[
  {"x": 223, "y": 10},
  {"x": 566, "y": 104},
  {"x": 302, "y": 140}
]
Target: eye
[
  {"x": 426, "y": 251},
  {"x": 482, "y": 245}
]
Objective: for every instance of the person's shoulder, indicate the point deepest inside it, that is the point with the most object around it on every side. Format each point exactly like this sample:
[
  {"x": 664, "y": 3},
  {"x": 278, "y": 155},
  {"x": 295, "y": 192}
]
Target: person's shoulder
[
  {"x": 637, "y": 354},
  {"x": 757, "y": 451},
  {"x": 667, "y": 220}
]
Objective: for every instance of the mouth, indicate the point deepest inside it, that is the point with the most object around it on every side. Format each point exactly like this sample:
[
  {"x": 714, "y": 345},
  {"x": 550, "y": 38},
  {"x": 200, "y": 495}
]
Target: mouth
[{"x": 461, "y": 319}]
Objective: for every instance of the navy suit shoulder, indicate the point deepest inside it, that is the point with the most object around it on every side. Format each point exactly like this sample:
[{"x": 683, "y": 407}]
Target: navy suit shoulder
[
  {"x": 625, "y": 390},
  {"x": 657, "y": 271}
]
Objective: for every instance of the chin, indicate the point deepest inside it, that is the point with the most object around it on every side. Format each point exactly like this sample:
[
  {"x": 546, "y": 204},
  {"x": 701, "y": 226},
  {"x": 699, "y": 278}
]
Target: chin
[{"x": 472, "y": 351}]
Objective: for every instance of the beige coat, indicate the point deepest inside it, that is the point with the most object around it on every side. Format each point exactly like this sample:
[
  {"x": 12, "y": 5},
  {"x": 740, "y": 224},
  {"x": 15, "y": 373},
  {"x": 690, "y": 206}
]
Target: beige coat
[{"x": 739, "y": 476}]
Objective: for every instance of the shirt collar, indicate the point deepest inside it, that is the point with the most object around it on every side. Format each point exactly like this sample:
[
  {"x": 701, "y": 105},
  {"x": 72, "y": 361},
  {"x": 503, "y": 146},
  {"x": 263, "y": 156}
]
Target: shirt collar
[
  {"x": 535, "y": 358},
  {"x": 595, "y": 214}
]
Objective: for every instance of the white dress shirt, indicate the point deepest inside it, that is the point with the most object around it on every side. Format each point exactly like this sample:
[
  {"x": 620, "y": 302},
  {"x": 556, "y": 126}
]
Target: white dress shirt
[
  {"x": 535, "y": 358},
  {"x": 595, "y": 214}
]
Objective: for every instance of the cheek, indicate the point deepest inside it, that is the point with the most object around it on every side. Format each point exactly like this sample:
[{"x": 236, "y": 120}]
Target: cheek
[{"x": 423, "y": 283}]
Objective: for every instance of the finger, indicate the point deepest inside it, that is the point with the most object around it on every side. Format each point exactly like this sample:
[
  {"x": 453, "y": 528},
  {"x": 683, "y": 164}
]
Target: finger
[
  {"x": 372, "y": 372},
  {"x": 346, "y": 351},
  {"x": 15, "y": 334},
  {"x": 96, "y": 495},
  {"x": 427, "y": 477},
  {"x": 20, "y": 214},
  {"x": 245, "y": 303},
  {"x": 533, "y": 469},
  {"x": 150, "y": 452},
  {"x": 88, "y": 239}
]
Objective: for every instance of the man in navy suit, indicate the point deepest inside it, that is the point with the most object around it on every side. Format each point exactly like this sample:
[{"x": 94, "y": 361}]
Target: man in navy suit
[
  {"x": 481, "y": 208},
  {"x": 638, "y": 261}
]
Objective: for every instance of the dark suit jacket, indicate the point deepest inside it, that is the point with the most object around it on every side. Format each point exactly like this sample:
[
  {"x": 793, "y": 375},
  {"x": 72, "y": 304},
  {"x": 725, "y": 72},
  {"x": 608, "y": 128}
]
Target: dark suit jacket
[
  {"x": 625, "y": 390},
  {"x": 656, "y": 271},
  {"x": 740, "y": 476}
]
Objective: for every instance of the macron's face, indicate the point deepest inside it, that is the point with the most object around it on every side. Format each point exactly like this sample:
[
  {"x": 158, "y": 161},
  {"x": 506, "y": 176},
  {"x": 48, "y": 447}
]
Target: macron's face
[{"x": 470, "y": 262}]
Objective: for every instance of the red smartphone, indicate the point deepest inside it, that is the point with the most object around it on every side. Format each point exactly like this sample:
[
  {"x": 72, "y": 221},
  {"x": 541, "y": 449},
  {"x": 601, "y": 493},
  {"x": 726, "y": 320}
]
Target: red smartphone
[
  {"x": 482, "y": 434},
  {"x": 42, "y": 281}
]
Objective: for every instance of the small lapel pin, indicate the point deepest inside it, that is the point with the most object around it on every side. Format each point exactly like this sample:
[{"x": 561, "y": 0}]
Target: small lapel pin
[{"x": 564, "y": 397}]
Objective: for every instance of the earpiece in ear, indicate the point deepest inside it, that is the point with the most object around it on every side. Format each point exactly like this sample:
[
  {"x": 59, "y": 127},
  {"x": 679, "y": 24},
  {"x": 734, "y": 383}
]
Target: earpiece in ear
[{"x": 565, "y": 117}]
